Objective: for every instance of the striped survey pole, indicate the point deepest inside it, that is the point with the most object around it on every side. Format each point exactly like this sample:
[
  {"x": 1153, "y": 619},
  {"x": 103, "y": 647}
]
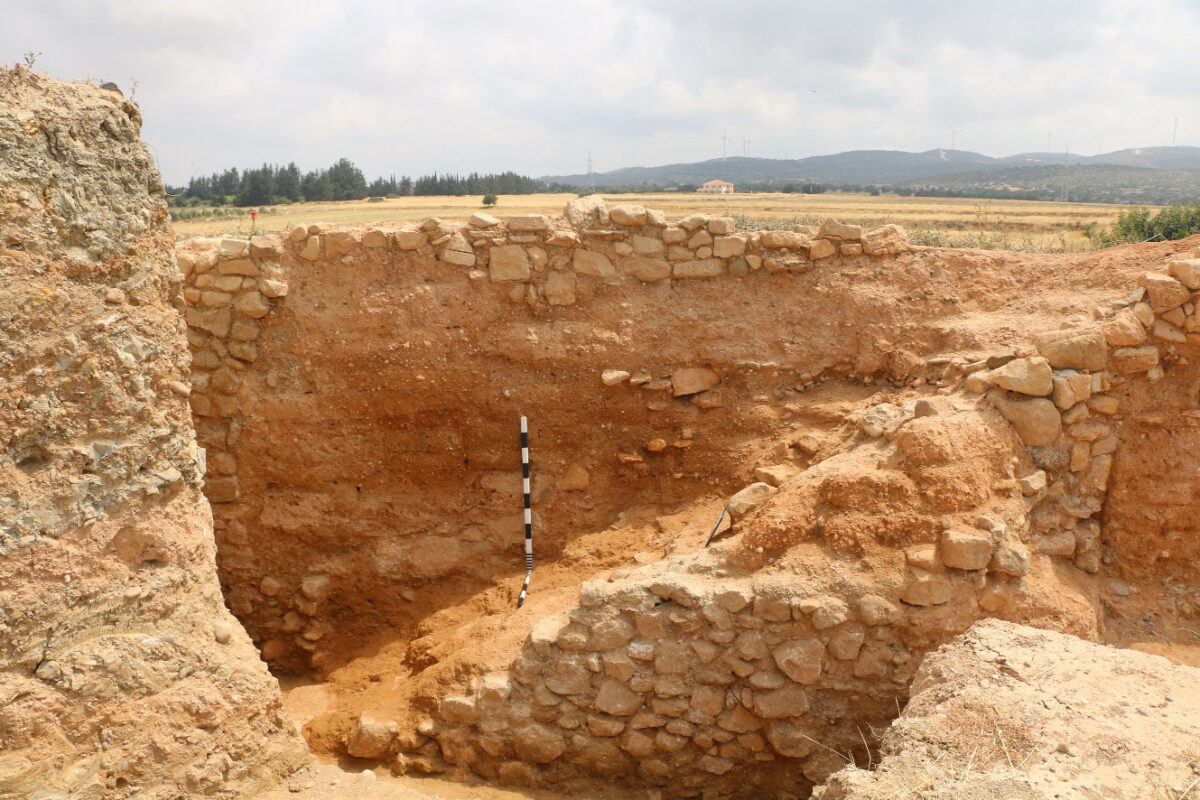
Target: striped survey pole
[{"x": 528, "y": 511}]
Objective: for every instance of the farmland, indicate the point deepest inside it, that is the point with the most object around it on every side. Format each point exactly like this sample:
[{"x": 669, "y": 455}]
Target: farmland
[{"x": 992, "y": 224}]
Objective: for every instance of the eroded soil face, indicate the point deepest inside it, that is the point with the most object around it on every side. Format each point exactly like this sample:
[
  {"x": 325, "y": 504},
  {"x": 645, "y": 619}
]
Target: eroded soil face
[{"x": 121, "y": 671}]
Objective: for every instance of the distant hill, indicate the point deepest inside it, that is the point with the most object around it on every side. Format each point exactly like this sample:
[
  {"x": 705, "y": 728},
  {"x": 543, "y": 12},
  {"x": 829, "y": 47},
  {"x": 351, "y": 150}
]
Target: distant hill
[
  {"x": 1146, "y": 175},
  {"x": 1088, "y": 183}
]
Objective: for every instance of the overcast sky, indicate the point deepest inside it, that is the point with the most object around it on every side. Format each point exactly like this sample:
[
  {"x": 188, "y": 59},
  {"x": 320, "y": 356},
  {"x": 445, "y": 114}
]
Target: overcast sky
[{"x": 449, "y": 85}]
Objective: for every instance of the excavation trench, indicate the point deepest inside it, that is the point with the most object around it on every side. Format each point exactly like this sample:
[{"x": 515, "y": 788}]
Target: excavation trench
[{"x": 358, "y": 394}]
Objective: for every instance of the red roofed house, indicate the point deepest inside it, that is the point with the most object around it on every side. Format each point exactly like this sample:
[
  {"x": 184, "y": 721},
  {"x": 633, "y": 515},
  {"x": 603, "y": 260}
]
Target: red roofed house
[{"x": 716, "y": 187}]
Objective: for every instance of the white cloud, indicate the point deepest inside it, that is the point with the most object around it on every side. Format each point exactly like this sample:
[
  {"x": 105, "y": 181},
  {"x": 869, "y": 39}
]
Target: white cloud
[{"x": 534, "y": 85}]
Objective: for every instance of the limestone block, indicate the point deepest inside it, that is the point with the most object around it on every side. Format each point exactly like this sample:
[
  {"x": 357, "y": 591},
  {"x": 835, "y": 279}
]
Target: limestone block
[
  {"x": 850, "y": 248},
  {"x": 589, "y": 262},
  {"x": 1103, "y": 404},
  {"x": 371, "y": 737},
  {"x": 845, "y": 644},
  {"x": 775, "y": 475},
  {"x": 482, "y": 221},
  {"x": 749, "y": 499},
  {"x": 818, "y": 249},
  {"x": 215, "y": 299},
  {"x": 615, "y": 698},
  {"x": 508, "y": 262},
  {"x": 1074, "y": 349},
  {"x": 253, "y": 305},
  {"x": 926, "y": 589},
  {"x": 409, "y": 239},
  {"x": 691, "y": 380},
  {"x": 1059, "y": 543},
  {"x": 1033, "y": 483},
  {"x": 1010, "y": 558},
  {"x": 458, "y": 708},
  {"x": 569, "y": 676},
  {"x": 1036, "y": 421},
  {"x": 298, "y": 233},
  {"x": 1167, "y": 332},
  {"x": 832, "y": 229},
  {"x": 1031, "y": 376},
  {"x": 874, "y": 610},
  {"x": 729, "y": 246},
  {"x": 1129, "y": 360},
  {"x": 238, "y": 266},
  {"x": 611, "y": 633},
  {"x": 693, "y": 222},
  {"x": 1163, "y": 291},
  {"x": 673, "y": 235},
  {"x": 647, "y": 245},
  {"x": 801, "y": 660},
  {"x": 537, "y": 743},
  {"x": 923, "y": 556},
  {"x": 272, "y": 288},
  {"x": 699, "y": 268},
  {"x": 628, "y": 214},
  {"x": 1144, "y": 314},
  {"x": 885, "y": 240},
  {"x": 214, "y": 321},
  {"x": 227, "y": 283},
  {"x": 311, "y": 250},
  {"x": 790, "y": 701},
  {"x": 966, "y": 549},
  {"x": 648, "y": 270},
  {"x": 721, "y": 226},
  {"x": 266, "y": 248},
  {"x": 233, "y": 248},
  {"x": 528, "y": 223},
  {"x": 1071, "y": 387},
  {"x": 1186, "y": 271},
  {"x": 776, "y": 239},
  {"x": 789, "y": 741}
]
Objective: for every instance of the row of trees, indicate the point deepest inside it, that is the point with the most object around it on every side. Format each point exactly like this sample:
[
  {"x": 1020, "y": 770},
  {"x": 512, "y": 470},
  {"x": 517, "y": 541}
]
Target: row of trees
[{"x": 272, "y": 183}]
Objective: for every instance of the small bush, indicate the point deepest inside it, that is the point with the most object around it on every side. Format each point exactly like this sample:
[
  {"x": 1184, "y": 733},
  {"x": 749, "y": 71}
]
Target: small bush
[
  {"x": 489, "y": 200},
  {"x": 1138, "y": 224}
]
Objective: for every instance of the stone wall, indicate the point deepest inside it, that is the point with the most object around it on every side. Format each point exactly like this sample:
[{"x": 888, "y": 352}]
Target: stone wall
[{"x": 121, "y": 671}]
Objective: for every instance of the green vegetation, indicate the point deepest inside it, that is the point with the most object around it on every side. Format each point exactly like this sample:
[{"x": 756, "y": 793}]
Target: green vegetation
[
  {"x": 272, "y": 184},
  {"x": 1139, "y": 224},
  {"x": 489, "y": 200}
]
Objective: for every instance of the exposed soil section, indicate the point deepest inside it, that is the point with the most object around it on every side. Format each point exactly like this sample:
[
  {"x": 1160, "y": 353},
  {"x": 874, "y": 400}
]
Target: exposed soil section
[{"x": 121, "y": 671}]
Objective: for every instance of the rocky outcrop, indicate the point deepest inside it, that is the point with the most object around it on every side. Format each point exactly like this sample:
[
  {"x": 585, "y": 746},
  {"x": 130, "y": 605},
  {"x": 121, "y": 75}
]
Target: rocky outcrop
[
  {"x": 121, "y": 671},
  {"x": 1010, "y": 711}
]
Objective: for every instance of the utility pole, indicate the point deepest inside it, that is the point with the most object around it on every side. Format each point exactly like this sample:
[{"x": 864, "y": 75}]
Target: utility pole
[
  {"x": 745, "y": 146},
  {"x": 1175, "y": 133},
  {"x": 591, "y": 175},
  {"x": 724, "y": 143},
  {"x": 1066, "y": 196}
]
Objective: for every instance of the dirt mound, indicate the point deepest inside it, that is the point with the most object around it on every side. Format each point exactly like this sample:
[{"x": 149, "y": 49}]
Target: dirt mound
[
  {"x": 1007, "y": 711},
  {"x": 121, "y": 672}
]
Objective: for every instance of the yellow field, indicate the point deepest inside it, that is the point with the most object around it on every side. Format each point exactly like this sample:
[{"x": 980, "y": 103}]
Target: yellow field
[{"x": 995, "y": 224}]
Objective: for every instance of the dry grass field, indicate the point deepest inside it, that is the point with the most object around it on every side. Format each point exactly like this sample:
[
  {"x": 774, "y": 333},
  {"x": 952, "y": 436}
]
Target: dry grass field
[{"x": 992, "y": 224}]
